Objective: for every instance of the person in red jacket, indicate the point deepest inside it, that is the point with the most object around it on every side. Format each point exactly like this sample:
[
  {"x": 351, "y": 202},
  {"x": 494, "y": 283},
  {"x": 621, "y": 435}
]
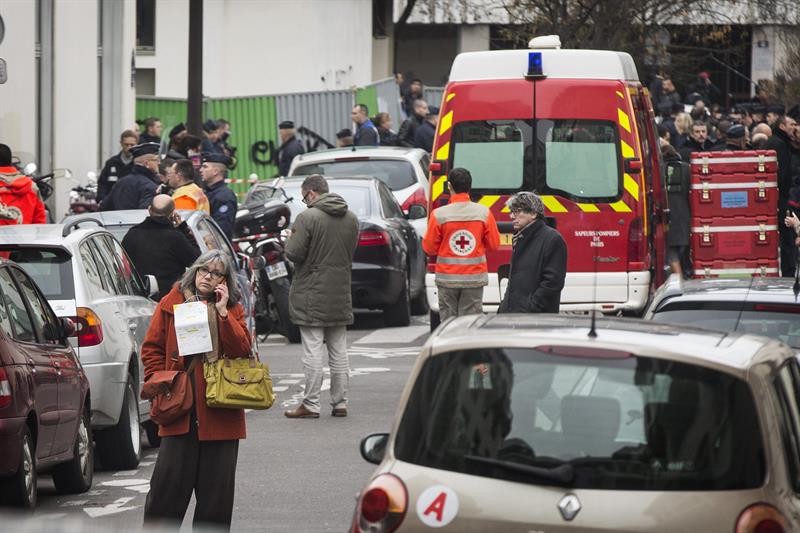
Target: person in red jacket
[
  {"x": 18, "y": 194},
  {"x": 459, "y": 235}
]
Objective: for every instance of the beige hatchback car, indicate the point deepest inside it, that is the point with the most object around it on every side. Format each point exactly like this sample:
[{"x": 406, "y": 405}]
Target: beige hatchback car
[{"x": 524, "y": 423}]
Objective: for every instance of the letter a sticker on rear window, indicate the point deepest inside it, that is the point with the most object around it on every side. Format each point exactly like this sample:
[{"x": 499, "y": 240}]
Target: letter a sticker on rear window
[{"x": 437, "y": 506}]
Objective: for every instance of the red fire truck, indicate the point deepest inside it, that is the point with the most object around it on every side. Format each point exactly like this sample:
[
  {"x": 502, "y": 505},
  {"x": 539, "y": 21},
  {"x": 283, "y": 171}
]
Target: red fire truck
[{"x": 577, "y": 127}]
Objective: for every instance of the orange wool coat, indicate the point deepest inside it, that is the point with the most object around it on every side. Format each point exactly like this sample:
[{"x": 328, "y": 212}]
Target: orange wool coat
[{"x": 160, "y": 352}]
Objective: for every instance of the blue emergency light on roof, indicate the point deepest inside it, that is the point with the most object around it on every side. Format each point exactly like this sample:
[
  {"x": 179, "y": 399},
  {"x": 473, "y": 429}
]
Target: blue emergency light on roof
[{"x": 535, "y": 69}]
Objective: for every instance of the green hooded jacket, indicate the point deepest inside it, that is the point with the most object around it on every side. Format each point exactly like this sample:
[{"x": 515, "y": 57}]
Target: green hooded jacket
[{"x": 321, "y": 247}]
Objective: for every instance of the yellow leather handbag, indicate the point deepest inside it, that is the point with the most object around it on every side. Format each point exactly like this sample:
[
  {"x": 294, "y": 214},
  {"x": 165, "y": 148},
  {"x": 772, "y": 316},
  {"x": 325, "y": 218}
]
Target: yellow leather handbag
[{"x": 238, "y": 384}]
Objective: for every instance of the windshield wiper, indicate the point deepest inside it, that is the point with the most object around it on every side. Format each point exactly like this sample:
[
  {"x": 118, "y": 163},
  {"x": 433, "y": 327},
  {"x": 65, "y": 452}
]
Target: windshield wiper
[{"x": 562, "y": 474}]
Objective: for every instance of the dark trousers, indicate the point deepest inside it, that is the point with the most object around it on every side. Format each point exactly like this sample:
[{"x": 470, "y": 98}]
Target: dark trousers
[
  {"x": 788, "y": 250},
  {"x": 185, "y": 465}
]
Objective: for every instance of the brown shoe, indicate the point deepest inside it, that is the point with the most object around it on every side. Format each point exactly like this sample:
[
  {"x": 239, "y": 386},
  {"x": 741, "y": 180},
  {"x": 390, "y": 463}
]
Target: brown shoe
[
  {"x": 301, "y": 412},
  {"x": 339, "y": 411}
]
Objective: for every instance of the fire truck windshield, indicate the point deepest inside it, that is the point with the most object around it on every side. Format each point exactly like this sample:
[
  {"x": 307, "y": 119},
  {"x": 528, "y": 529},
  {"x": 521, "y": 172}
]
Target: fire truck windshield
[{"x": 576, "y": 159}]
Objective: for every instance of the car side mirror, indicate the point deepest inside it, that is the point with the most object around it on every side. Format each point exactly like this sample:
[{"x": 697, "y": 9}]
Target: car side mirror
[
  {"x": 373, "y": 447},
  {"x": 417, "y": 211},
  {"x": 150, "y": 285}
]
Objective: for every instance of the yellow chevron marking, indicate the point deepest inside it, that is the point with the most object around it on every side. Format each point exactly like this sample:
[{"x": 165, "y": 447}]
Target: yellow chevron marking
[
  {"x": 553, "y": 205},
  {"x": 505, "y": 209},
  {"x": 632, "y": 187},
  {"x": 589, "y": 208},
  {"x": 624, "y": 120},
  {"x": 627, "y": 151},
  {"x": 444, "y": 151},
  {"x": 620, "y": 207},
  {"x": 445, "y": 123},
  {"x": 449, "y": 97},
  {"x": 438, "y": 187},
  {"x": 619, "y": 93},
  {"x": 488, "y": 200}
]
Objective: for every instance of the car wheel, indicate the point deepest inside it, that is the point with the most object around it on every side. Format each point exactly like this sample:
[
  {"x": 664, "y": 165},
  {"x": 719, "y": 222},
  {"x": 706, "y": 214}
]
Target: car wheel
[
  {"x": 151, "y": 429},
  {"x": 435, "y": 320},
  {"x": 20, "y": 489},
  {"x": 76, "y": 475},
  {"x": 120, "y": 447},
  {"x": 280, "y": 291},
  {"x": 399, "y": 314}
]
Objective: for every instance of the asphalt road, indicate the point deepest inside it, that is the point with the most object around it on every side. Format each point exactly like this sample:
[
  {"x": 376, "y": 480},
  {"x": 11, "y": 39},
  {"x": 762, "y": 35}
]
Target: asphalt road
[{"x": 293, "y": 475}]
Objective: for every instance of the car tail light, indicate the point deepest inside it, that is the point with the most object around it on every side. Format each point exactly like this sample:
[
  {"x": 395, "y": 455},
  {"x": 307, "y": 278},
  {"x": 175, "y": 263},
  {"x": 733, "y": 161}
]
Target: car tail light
[
  {"x": 382, "y": 506},
  {"x": 637, "y": 246},
  {"x": 761, "y": 518},
  {"x": 417, "y": 198},
  {"x": 5, "y": 389},
  {"x": 89, "y": 328},
  {"x": 373, "y": 238}
]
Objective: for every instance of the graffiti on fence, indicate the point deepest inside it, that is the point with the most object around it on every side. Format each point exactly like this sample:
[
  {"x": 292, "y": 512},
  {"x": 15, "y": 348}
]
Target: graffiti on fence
[{"x": 266, "y": 153}]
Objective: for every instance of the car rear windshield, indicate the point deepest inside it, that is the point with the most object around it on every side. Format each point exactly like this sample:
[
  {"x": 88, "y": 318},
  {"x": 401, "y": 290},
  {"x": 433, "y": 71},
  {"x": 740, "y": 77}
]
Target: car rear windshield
[
  {"x": 777, "y": 321},
  {"x": 575, "y": 159},
  {"x": 50, "y": 268},
  {"x": 395, "y": 173},
  {"x": 357, "y": 199},
  {"x": 632, "y": 423}
]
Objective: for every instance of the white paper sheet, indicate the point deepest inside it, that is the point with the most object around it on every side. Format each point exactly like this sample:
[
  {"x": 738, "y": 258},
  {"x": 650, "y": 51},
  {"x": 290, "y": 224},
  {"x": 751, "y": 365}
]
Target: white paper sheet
[{"x": 191, "y": 328}]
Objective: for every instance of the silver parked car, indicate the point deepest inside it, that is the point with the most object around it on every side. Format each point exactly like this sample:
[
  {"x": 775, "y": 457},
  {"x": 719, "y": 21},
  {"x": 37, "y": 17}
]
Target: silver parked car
[{"x": 86, "y": 276}]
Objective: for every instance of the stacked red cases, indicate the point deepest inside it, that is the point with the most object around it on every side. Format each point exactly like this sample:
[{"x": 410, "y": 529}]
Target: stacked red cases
[{"x": 734, "y": 205}]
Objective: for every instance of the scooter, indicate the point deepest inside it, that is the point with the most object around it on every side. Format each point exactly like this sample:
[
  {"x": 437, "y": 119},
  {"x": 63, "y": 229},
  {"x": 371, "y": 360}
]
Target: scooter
[
  {"x": 259, "y": 232},
  {"x": 83, "y": 198}
]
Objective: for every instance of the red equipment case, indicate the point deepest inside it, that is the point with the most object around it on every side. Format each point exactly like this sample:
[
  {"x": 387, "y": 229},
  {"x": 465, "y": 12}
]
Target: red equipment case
[
  {"x": 738, "y": 269},
  {"x": 734, "y": 204},
  {"x": 734, "y": 238},
  {"x": 744, "y": 162}
]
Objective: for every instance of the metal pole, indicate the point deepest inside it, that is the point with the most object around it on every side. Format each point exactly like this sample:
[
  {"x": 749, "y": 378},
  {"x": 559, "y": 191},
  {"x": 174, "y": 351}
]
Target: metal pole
[{"x": 194, "y": 107}]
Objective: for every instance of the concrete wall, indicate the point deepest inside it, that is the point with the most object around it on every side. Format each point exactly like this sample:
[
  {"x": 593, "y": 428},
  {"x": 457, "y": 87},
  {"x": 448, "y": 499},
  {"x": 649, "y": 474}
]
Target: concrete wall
[
  {"x": 18, "y": 119},
  {"x": 252, "y": 48}
]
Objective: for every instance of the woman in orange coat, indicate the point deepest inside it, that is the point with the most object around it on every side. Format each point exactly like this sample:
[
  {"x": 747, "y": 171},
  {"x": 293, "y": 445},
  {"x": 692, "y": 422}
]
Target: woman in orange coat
[{"x": 198, "y": 450}]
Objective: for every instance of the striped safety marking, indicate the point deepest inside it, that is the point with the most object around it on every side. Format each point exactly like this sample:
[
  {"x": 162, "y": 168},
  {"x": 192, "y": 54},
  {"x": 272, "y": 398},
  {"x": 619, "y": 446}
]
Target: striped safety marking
[
  {"x": 631, "y": 186},
  {"x": 445, "y": 123},
  {"x": 588, "y": 208},
  {"x": 627, "y": 150},
  {"x": 489, "y": 200},
  {"x": 444, "y": 151},
  {"x": 624, "y": 120},
  {"x": 449, "y": 97},
  {"x": 619, "y": 93},
  {"x": 438, "y": 187},
  {"x": 552, "y": 204},
  {"x": 620, "y": 207}
]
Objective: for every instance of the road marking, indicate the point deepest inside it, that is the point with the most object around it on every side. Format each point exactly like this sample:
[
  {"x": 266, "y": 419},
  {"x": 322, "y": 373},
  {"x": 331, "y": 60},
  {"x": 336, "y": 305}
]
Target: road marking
[
  {"x": 383, "y": 353},
  {"x": 141, "y": 486},
  {"x": 394, "y": 335},
  {"x": 75, "y": 503},
  {"x": 289, "y": 381},
  {"x": 112, "y": 508},
  {"x": 126, "y": 472},
  {"x": 279, "y": 389},
  {"x": 326, "y": 382}
]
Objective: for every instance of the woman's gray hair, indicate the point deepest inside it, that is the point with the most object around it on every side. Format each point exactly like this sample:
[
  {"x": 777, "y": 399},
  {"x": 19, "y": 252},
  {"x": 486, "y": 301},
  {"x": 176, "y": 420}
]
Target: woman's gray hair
[
  {"x": 213, "y": 256},
  {"x": 527, "y": 202}
]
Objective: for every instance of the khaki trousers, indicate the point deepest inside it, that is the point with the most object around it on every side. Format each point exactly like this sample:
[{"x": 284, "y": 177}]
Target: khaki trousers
[{"x": 459, "y": 302}]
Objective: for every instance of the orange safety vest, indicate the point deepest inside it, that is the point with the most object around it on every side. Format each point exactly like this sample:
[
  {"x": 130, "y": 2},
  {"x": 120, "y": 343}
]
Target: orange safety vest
[
  {"x": 191, "y": 197},
  {"x": 459, "y": 235}
]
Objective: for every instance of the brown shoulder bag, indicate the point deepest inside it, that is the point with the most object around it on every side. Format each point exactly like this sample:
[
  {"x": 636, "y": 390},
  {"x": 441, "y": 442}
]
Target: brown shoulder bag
[{"x": 170, "y": 392}]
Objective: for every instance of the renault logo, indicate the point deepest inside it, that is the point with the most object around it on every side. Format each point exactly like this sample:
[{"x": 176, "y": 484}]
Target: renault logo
[{"x": 569, "y": 506}]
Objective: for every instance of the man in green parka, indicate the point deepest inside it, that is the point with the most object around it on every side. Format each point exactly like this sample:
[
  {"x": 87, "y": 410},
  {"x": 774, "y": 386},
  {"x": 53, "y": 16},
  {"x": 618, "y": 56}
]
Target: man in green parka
[{"x": 321, "y": 247}]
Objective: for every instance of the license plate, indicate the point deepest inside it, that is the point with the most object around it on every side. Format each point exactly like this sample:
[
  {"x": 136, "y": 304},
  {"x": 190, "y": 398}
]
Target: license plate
[
  {"x": 505, "y": 239},
  {"x": 277, "y": 270}
]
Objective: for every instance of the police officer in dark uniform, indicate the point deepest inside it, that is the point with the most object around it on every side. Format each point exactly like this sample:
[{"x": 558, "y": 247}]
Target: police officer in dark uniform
[
  {"x": 223, "y": 201},
  {"x": 290, "y": 147},
  {"x": 137, "y": 189}
]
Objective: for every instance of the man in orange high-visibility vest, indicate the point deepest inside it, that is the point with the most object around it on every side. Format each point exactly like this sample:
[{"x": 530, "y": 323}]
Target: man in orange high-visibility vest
[{"x": 459, "y": 235}]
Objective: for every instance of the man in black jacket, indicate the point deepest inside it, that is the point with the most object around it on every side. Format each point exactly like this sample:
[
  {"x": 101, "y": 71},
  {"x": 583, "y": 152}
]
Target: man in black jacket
[
  {"x": 290, "y": 147},
  {"x": 538, "y": 259},
  {"x": 162, "y": 244},
  {"x": 405, "y": 137},
  {"x": 136, "y": 190},
  {"x": 697, "y": 142},
  {"x": 117, "y": 166},
  {"x": 426, "y": 132},
  {"x": 781, "y": 142}
]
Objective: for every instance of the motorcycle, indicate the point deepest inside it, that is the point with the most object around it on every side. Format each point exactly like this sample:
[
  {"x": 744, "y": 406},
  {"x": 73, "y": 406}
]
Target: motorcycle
[
  {"x": 44, "y": 183},
  {"x": 259, "y": 232},
  {"x": 83, "y": 198}
]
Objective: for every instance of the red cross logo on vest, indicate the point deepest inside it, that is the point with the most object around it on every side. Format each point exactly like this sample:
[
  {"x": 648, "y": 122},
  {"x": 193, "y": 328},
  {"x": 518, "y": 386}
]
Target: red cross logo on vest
[{"x": 462, "y": 242}]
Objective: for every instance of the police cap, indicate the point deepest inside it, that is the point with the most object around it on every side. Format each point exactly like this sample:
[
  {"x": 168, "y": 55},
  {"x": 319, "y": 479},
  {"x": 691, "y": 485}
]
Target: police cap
[
  {"x": 735, "y": 132},
  {"x": 214, "y": 157},
  {"x": 776, "y": 108},
  {"x": 145, "y": 149},
  {"x": 286, "y": 125}
]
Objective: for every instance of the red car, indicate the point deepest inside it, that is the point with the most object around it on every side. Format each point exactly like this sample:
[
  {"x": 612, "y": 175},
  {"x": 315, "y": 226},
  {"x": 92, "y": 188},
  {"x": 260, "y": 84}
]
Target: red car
[{"x": 44, "y": 396}]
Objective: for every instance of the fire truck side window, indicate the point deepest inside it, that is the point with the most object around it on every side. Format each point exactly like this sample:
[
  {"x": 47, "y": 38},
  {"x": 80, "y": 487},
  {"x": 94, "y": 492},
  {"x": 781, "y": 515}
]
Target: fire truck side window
[{"x": 578, "y": 160}]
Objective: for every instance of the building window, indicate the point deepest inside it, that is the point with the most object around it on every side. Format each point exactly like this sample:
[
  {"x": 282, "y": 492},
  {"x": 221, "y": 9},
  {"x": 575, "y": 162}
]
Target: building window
[
  {"x": 145, "y": 82},
  {"x": 380, "y": 10},
  {"x": 145, "y": 25}
]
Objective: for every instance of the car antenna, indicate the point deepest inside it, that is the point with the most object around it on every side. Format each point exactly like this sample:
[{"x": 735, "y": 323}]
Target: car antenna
[
  {"x": 744, "y": 303},
  {"x": 592, "y": 330}
]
